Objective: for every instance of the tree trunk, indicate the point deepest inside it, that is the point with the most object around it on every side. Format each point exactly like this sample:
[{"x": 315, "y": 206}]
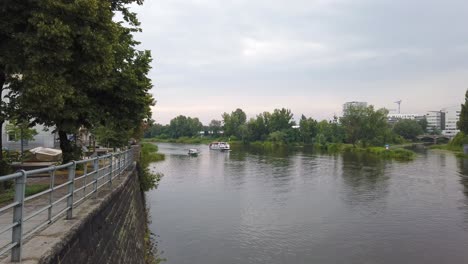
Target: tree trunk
[
  {"x": 68, "y": 150},
  {"x": 1, "y": 138},
  {"x": 2, "y": 119}
]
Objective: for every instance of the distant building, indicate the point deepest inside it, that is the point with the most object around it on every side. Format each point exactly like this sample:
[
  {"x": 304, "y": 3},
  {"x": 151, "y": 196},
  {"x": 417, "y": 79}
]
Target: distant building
[
  {"x": 393, "y": 118},
  {"x": 435, "y": 121},
  {"x": 347, "y": 105},
  {"x": 452, "y": 115},
  {"x": 11, "y": 141},
  {"x": 44, "y": 138}
]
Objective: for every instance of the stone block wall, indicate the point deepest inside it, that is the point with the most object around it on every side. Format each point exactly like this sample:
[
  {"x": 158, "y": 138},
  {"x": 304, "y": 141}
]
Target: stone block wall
[{"x": 113, "y": 233}]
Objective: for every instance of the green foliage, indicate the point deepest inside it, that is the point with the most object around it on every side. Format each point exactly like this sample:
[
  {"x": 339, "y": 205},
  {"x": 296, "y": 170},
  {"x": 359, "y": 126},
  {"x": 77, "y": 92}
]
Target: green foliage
[
  {"x": 308, "y": 129},
  {"x": 463, "y": 121},
  {"x": 280, "y": 119},
  {"x": 232, "y": 123},
  {"x": 364, "y": 124},
  {"x": 408, "y": 129},
  {"x": 395, "y": 153},
  {"x": 184, "y": 126},
  {"x": 423, "y": 123},
  {"x": 456, "y": 144},
  {"x": 277, "y": 137},
  {"x": 111, "y": 136},
  {"x": 68, "y": 65},
  {"x": 215, "y": 126},
  {"x": 20, "y": 130},
  {"x": 148, "y": 180}
]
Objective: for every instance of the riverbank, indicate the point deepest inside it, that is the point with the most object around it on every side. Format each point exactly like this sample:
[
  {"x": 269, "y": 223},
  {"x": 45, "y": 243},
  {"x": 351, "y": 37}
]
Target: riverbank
[
  {"x": 396, "y": 153},
  {"x": 149, "y": 180},
  {"x": 455, "y": 145}
]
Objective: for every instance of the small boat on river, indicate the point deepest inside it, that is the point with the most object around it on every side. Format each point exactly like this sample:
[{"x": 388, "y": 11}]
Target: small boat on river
[
  {"x": 193, "y": 152},
  {"x": 223, "y": 146}
]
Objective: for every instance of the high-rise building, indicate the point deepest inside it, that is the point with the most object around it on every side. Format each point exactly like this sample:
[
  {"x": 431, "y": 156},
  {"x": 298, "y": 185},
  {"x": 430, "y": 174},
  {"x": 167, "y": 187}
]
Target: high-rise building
[
  {"x": 347, "y": 105},
  {"x": 452, "y": 115},
  {"x": 435, "y": 121}
]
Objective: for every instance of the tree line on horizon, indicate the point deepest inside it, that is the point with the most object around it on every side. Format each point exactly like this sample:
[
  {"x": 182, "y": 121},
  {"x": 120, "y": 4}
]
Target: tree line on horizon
[{"x": 361, "y": 125}]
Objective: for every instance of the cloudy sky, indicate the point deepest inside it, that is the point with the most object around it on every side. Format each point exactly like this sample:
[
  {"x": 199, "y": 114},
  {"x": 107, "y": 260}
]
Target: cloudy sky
[{"x": 311, "y": 56}]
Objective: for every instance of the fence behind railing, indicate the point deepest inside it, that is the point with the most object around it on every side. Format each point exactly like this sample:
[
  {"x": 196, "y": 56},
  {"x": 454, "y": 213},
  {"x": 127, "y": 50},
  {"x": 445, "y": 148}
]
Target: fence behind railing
[{"x": 70, "y": 184}]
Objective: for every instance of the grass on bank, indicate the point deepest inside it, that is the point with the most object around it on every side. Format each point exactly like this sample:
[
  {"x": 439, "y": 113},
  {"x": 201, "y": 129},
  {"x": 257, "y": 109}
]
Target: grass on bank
[
  {"x": 9, "y": 194},
  {"x": 396, "y": 153},
  {"x": 149, "y": 154}
]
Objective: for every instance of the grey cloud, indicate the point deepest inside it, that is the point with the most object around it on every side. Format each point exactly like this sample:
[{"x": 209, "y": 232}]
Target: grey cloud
[{"x": 206, "y": 47}]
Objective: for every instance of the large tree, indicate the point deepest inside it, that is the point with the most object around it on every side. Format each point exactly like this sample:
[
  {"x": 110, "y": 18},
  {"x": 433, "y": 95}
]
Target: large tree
[
  {"x": 364, "y": 124},
  {"x": 463, "y": 121},
  {"x": 281, "y": 119},
  {"x": 182, "y": 126},
  {"x": 408, "y": 129},
  {"x": 232, "y": 122},
  {"x": 215, "y": 126},
  {"x": 308, "y": 128},
  {"x": 75, "y": 66}
]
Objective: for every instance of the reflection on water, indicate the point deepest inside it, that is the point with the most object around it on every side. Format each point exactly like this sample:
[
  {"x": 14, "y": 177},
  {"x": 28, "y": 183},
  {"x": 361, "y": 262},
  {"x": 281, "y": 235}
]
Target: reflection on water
[
  {"x": 463, "y": 167},
  {"x": 255, "y": 206}
]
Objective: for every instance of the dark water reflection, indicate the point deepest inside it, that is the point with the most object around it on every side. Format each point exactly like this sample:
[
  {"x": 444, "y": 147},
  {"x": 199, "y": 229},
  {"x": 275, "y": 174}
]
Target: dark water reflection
[{"x": 252, "y": 206}]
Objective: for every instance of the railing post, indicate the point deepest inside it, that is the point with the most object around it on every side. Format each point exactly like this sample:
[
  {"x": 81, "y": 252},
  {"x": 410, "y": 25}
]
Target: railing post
[
  {"x": 110, "y": 170},
  {"x": 96, "y": 176},
  {"x": 51, "y": 194},
  {"x": 71, "y": 189},
  {"x": 85, "y": 173},
  {"x": 124, "y": 161},
  {"x": 120, "y": 164},
  {"x": 17, "y": 231}
]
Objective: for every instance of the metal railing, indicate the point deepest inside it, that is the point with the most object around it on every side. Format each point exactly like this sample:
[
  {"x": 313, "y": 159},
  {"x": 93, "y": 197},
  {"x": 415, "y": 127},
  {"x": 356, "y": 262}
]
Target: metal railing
[{"x": 82, "y": 179}]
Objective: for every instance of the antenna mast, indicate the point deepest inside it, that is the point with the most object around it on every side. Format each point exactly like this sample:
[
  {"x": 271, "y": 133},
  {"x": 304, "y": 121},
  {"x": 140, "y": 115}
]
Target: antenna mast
[{"x": 399, "y": 104}]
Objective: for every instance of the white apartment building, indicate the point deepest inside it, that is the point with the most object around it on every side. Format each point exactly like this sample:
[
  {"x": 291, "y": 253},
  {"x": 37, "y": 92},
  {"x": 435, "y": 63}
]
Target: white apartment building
[
  {"x": 452, "y": 115},
  {"x": 406, "y": 116},
  {"x": 435, "y": 120},
  {"x": 11, "y": 141},
  {"x": 393, "y": 118},
  {"x": 44, "y": 138}
]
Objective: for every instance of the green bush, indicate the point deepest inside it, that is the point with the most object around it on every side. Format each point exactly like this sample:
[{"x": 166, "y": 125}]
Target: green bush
[{"x": 149, "y": 154}]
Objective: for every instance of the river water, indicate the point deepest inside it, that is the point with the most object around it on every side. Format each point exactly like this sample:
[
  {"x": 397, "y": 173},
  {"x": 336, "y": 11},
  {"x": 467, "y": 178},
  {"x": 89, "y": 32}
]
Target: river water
[{"x": 248, "y": 206}]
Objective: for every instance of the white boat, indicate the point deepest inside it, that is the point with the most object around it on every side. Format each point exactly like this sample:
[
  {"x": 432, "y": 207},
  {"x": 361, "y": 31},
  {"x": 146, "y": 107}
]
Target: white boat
[
  {"x": 220, "y": 146},
  {"x": 193, "y": 152},
  {"x": 46, "y": 154}
]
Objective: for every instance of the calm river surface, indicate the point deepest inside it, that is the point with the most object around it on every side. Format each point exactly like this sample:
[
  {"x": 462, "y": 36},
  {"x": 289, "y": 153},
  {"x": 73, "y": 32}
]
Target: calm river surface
[{"x": 247, "y": 206}]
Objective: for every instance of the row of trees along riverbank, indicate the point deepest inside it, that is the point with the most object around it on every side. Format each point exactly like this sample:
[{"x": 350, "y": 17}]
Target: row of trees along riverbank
[{"x": 358, "y": 129}]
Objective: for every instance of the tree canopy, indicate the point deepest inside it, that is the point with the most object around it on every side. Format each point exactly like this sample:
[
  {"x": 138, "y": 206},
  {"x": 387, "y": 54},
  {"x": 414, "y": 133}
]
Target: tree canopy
[
  {"x": 183, "y": 126},
  {"x": 408, "y": 129},
  {"x": 68, "y": 65},
  {"x": 233, "y": 122},
  {"x": 463, "y": 121},
  {"x": 364, "y": 124}
]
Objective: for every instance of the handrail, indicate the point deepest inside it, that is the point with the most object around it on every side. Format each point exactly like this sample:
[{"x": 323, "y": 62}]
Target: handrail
[{"x": 104, "y": 169}]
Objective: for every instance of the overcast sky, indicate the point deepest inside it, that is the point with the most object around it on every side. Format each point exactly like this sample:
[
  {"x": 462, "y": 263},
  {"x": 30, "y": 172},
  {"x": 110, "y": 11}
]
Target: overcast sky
[{"x": 311, "y": 56}]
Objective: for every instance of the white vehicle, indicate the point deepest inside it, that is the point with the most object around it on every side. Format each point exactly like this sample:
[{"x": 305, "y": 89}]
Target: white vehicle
[
  {"x": 193, "y": 152},
  {"x": 220, "y": 146}
]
